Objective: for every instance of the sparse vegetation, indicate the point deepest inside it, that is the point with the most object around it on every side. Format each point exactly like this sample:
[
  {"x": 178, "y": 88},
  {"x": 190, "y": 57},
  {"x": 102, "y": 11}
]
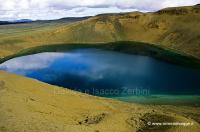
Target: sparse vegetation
[
  {"x": 171, "y": 34},
  {"x": 178, "y": 30},
  {"x": 129, "y": 47},
  {"x": 30, "y": 105}
]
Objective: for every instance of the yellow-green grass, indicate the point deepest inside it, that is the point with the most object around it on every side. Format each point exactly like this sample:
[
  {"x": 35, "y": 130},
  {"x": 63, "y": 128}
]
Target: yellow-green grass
[
  {"x": 29, "y": 105},
  {"x": 174, "y": 28},
  {"x": 129, "y": 47}
]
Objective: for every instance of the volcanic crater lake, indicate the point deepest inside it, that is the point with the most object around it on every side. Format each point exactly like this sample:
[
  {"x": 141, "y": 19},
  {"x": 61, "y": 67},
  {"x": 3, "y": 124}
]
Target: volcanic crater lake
[{"x": 107, "y": 73}]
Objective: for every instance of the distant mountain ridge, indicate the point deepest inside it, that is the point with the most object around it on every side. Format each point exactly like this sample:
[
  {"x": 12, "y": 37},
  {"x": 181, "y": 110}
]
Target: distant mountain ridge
[
  {"x": 15, "y": 21},
  {"x": 23, "y": 20},
  {"x": 65, "y": 19},
  {"x": 175, "y": 28}
]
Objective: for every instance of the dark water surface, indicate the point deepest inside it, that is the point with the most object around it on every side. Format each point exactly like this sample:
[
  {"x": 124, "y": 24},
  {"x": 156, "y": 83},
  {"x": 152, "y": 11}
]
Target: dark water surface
[{"x": 107, "y": 73}]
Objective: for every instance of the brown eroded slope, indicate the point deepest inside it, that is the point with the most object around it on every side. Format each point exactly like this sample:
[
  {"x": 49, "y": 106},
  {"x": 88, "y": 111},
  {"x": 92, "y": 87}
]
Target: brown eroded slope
[
  {"x": 176, "y": 28},
  {"x": 29, "y": 105}
]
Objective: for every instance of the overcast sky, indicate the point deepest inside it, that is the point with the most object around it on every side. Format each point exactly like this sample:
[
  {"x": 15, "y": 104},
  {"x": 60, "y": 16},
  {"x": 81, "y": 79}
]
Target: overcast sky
[{"x": 54, "y": 9}]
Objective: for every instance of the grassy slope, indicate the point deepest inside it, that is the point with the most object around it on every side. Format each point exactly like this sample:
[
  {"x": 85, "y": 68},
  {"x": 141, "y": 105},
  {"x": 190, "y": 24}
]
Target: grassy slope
[
  {"x": 11, "y": 35},
  {"x": 176, "y": 28},
  {"x": 36, "y": 106},
  {"x": 30, "y": 105},
  {"x": 120, "y": 46}
]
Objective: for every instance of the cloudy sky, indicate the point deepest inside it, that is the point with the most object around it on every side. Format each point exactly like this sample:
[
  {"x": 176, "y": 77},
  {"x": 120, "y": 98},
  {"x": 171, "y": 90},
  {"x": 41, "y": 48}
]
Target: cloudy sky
[{"x": 53, "y": 9}]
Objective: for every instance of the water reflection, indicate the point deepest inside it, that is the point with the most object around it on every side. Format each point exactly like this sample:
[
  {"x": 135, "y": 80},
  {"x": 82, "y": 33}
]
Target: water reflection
[{"x": 106, "y": 73}]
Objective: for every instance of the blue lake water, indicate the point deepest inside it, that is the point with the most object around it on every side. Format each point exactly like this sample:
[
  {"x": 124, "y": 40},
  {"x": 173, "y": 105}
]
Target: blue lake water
[{"x": 107, "y": 73}]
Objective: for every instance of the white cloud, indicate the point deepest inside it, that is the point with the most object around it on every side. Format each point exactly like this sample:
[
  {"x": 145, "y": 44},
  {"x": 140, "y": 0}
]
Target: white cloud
[
  {"x": 31, "y": 62},
  {"x": 51, "y": 9}
]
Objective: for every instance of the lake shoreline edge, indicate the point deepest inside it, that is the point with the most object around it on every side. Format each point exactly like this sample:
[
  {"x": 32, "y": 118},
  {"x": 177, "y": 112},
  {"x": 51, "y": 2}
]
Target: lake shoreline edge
[{"x": 129, "y": 47}]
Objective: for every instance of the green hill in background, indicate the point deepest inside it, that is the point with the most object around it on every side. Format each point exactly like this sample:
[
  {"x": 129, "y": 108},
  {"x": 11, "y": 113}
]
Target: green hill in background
[{"x": 175, "y": 28}]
